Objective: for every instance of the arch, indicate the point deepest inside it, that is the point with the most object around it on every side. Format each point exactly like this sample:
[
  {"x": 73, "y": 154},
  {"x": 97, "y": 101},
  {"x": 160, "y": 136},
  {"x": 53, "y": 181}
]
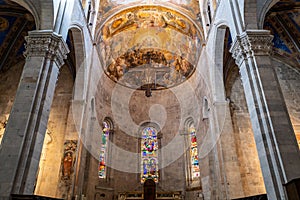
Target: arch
[
  {"x": 42, "y": 11},
  {"x": 113, "y": 13},
  {"x": 218, "y": 71},
  {"x": 32, "y": 8},
  {"x": 76, "y": 61},
  {"x": 107, "y": 129},
  {"x": 149, "y": 152},
  {"x": 192, "y": 157},
  {"x": 268, "y": 4}
]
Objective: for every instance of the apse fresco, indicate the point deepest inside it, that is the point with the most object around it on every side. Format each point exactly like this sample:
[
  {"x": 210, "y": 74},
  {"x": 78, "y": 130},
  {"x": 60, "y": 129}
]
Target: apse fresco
[
  {"x": 190, "y": 6},
  {"x": 149, "y": 41},
  {"x": 138, "y": 68},
  {"x": 149, "y": 148}
]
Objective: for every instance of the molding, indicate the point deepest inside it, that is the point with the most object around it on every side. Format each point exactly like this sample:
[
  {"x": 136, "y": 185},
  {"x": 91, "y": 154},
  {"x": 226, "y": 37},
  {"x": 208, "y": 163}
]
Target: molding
[
  {"x": 251, "y": 43},
  {"x": 46, "y": 44}
]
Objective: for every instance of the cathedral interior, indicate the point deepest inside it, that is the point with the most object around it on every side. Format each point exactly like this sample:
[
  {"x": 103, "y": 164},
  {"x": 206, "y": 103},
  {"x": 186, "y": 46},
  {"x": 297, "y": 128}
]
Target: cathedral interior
[{"x": 150, "y": 99}]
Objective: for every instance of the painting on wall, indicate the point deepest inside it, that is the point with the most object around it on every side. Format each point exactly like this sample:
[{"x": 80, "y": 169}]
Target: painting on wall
[
  {"x": 67, "y": 168},
  {"x": 140, "y": 67},
  {"x": 3, "y": 123},
  {"x": 149, "y": 45},
  {"x": 190, "y": 6},
  {"x": 68, "y": 159}
]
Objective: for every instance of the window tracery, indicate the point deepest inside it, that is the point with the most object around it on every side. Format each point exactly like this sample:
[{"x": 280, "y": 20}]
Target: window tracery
[
  {"x": 106, "y": 129},
  {"x": 195, "y": 170},
  {"x": 149, "y": 161}
]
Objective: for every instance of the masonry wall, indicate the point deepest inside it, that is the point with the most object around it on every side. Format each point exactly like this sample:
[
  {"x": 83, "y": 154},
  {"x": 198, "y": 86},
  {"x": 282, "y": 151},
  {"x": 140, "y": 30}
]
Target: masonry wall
[
  {"x": 251, "y": 175},
  {"x": 289, "y": 79},
  {"x": 8, "y": 88}
]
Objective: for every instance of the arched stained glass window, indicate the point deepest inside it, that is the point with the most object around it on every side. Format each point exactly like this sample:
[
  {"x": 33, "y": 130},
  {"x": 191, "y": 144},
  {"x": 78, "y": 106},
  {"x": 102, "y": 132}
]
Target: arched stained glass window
[
  {"x": 195, "y": 171},
  {"x": 103, "y": 152},
  {"x": 149, "y": 161}
]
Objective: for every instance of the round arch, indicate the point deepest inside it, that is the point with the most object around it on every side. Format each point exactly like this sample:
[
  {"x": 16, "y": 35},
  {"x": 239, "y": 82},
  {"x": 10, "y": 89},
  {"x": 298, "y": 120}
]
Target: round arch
[
  {"x": 76, "y": 60},
  {"x": 42, "y": 11},
  {"x": 268, "y": 4},
  {"x": 218, "y": 71}
]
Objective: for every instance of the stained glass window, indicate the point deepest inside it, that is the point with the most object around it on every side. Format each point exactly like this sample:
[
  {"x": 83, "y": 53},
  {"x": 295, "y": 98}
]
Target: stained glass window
[
  {"x": 103, "y": 151},
  {"x": 149, "y": 162},
  {"x": 195, "y": 171}
]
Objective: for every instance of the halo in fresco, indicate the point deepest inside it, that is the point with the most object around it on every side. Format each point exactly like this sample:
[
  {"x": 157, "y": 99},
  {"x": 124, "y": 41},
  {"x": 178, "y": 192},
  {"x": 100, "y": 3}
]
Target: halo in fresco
[
  {"x": 151, "y": 45},
  {"x": 190, "y": 6}
]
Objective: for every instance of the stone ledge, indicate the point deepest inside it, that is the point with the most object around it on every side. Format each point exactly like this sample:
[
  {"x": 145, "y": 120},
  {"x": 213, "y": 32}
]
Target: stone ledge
[
  {"x": 257, "y": 197},
  {"x": 31, "y": 197}
]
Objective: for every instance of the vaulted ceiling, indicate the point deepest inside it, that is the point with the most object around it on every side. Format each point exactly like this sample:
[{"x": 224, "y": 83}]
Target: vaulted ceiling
[
  {"x": 283, "y": 20},
  {"x": 15, "y": 22}
]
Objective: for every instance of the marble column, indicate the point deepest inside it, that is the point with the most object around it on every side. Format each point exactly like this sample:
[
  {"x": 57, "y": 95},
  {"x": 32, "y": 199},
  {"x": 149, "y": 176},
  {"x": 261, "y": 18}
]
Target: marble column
[
  {"x": 273, "y": 132},
  {"x": 25, "y": 131}
]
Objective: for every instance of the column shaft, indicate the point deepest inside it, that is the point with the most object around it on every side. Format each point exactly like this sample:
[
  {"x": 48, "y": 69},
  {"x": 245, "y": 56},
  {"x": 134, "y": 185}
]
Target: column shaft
[
  {"x": 24, "y": 134},
  {"x": 273, "y": 132}
]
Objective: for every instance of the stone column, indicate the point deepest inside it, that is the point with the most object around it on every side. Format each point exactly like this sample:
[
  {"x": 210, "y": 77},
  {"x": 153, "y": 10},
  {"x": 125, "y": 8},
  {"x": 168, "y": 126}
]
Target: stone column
[
  {"x": 24, "y": 135},
  {"x": 273, "y": 132}
]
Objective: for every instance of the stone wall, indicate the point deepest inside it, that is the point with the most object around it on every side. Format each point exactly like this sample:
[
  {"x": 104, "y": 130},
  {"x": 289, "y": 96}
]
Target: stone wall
[
  {"x": 8, "y": 88},
  {"x": 289, "y": 79},
  {"x": 251, "y": 175}
]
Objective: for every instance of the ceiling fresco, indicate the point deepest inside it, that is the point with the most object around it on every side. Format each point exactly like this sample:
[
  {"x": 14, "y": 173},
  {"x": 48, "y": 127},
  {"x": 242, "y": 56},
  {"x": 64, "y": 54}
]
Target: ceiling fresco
[
  {"x": 191, "y": 7},
  {"x": 139, "y": 68},
  {"x": 15, "y": 22},
  {"x": 283, "y": 20},
  {"x": 149, "y": 41}
]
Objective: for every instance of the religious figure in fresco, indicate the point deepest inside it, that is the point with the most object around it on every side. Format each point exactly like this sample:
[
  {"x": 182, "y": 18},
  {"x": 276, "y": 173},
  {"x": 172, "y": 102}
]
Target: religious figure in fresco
[
  {"x": 2, "y": 129},
  {"x": 67, "y": 165},
  {"x": 68, "y": 159}
]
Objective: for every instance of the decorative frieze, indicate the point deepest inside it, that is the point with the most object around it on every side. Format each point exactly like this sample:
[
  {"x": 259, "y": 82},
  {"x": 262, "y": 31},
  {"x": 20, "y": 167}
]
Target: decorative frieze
[
  {"x": 46, "y": 44},
  {"x": 251, "y": 43}
]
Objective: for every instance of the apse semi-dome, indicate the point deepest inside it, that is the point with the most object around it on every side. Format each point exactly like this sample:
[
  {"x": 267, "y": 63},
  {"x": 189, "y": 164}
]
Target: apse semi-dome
[{"x": 149, "y": 47}]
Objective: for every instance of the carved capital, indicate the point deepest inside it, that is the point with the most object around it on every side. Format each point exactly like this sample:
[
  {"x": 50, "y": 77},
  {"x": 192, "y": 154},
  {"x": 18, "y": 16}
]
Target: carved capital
[
  {"x": 46, "y": 44},
  {"x": 251, "y": 43}
]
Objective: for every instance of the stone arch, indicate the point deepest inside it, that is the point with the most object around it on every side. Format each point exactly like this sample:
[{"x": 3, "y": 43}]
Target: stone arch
[
  {"x": 191, "y": 154},
  {"x": 110, "y": 123},
  {"x": 42, "y": 11},
  {"x": 188, "y": 122},
  {"x": 77, "y": 62},
  {"x": 32, "y": 8},
  {"x": 268, "y": 4},
  {"x": 219, "y": 90},
  {"x": 105, "y": 158}
]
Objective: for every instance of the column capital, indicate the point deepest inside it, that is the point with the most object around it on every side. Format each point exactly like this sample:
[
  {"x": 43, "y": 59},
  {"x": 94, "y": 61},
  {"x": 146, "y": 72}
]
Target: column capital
[
  {"x": 251, "y": 43},
  {"x": 48, "y": 44}
]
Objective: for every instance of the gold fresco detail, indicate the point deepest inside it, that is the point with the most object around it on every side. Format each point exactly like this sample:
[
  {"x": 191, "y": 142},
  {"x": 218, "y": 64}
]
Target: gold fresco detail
[
  {"x": 148, "y": 16},
  {"x": 170, "y": 40},
  {"x": 3, "y": 24}
]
